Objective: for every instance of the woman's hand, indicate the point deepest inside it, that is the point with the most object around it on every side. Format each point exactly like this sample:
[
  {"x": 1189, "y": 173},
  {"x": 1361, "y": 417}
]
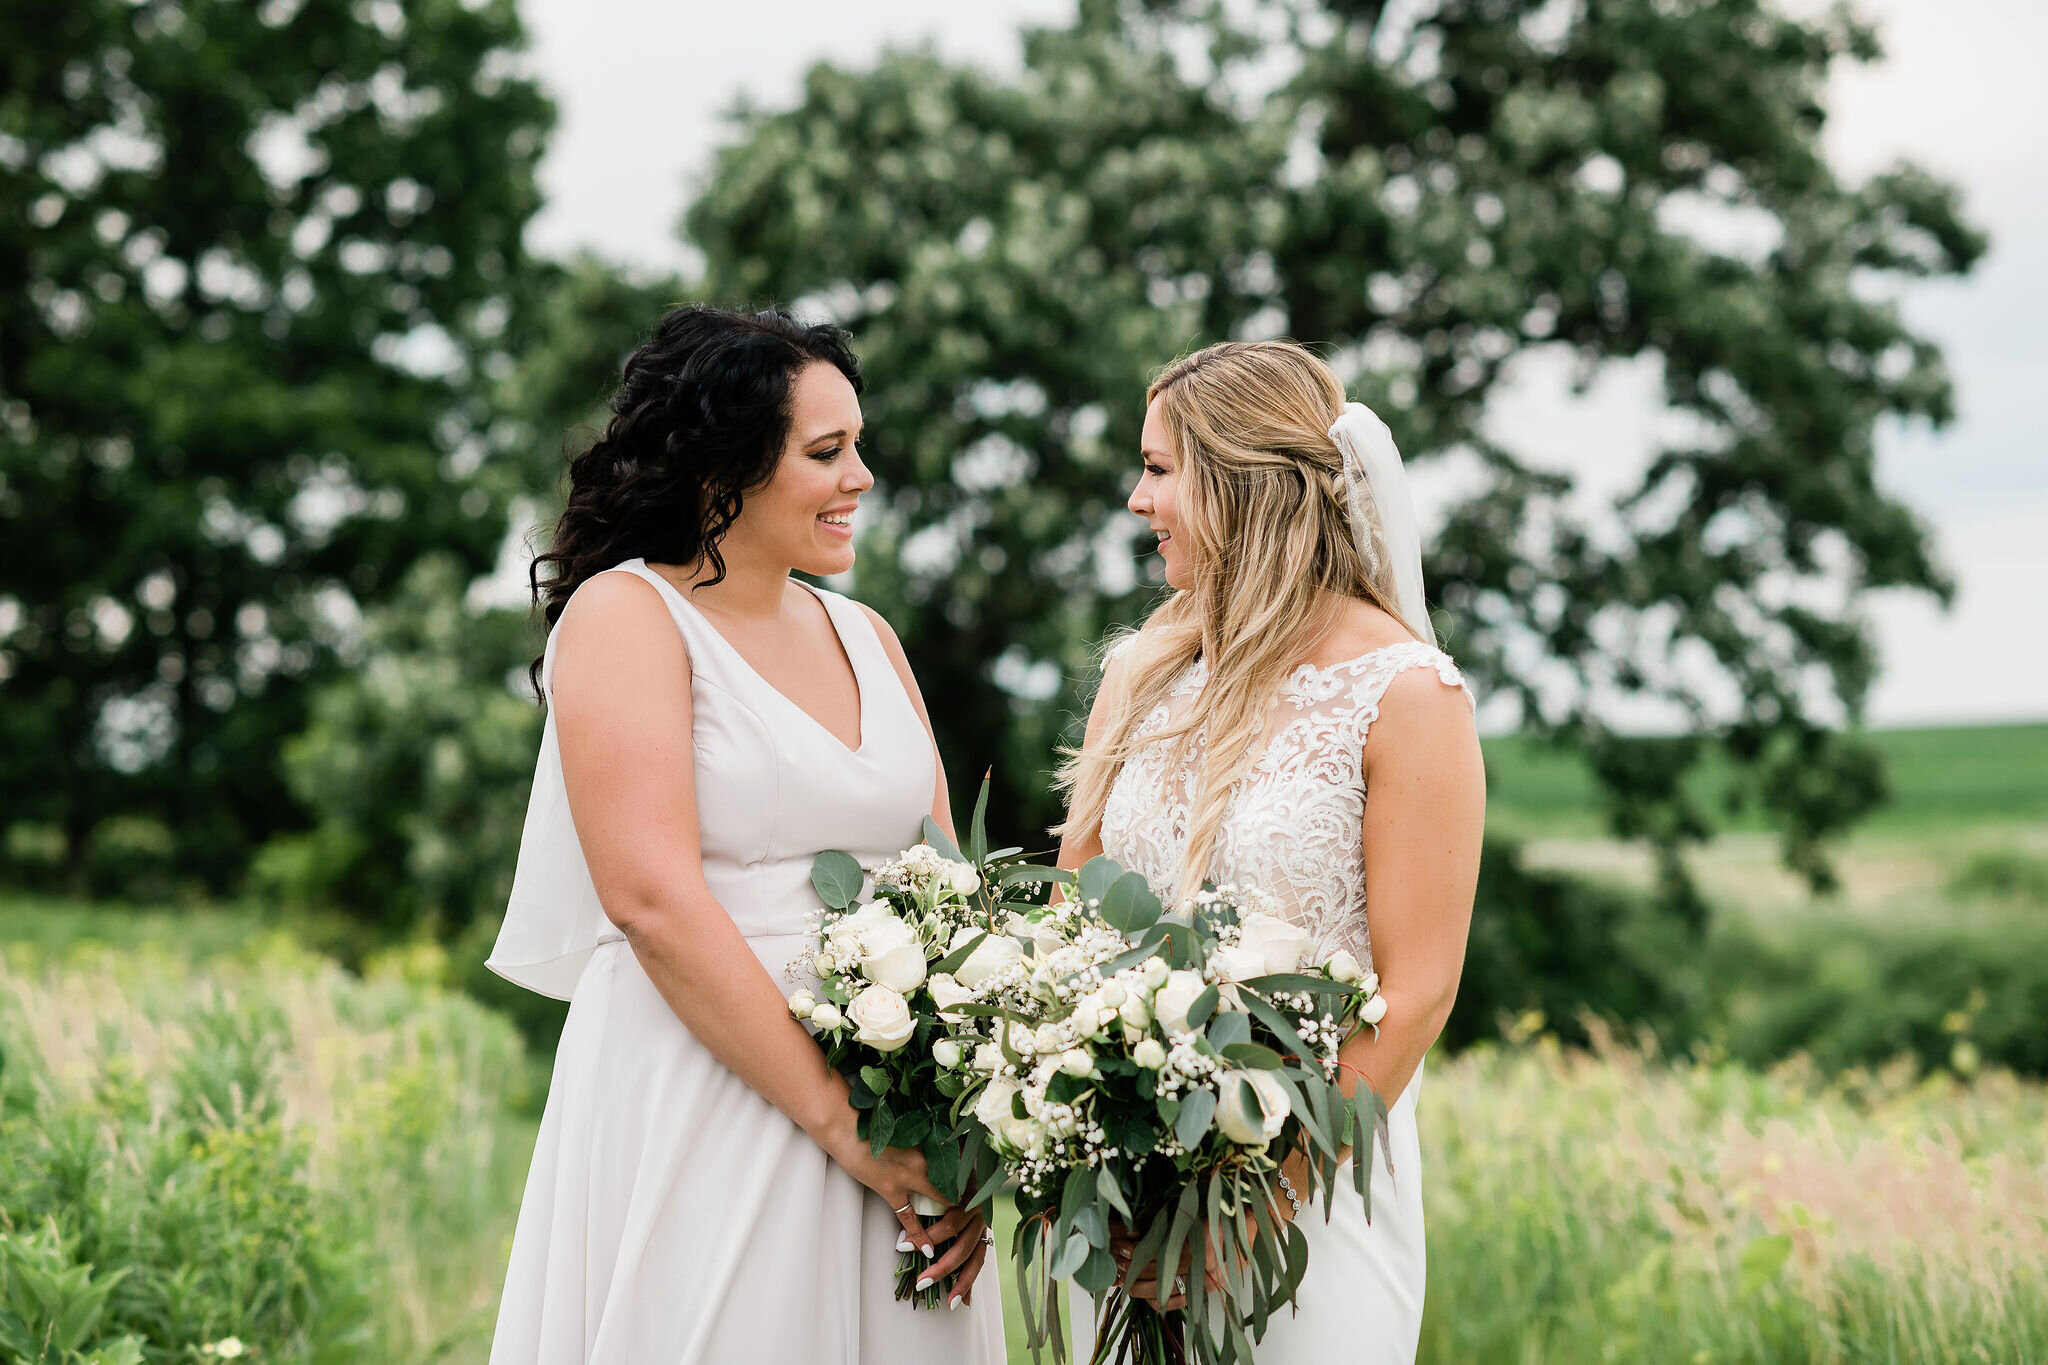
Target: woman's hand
[
  {"x": 968, "y": 1233},
  {"x": 896, "y": 1174}
]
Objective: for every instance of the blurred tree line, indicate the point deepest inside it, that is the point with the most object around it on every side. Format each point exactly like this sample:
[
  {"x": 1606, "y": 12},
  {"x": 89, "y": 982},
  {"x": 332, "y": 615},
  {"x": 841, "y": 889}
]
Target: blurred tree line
[{"x": 276, "y": 377}]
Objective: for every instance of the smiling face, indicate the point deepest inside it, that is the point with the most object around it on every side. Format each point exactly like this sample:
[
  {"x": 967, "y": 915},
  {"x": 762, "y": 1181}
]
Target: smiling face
[
  {"x": 803, "y": 518},
  {"x": 1157, "y": 496}
]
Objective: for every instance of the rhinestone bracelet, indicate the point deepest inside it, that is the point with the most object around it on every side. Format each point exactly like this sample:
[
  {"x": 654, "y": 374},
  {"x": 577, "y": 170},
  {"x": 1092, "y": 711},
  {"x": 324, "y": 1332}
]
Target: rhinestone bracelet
[{"x": 1288, "y": 1190}]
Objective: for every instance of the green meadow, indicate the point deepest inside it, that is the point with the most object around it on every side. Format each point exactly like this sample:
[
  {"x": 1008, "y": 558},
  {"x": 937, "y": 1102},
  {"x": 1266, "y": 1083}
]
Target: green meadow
[{"x": 214, "y": 1136}]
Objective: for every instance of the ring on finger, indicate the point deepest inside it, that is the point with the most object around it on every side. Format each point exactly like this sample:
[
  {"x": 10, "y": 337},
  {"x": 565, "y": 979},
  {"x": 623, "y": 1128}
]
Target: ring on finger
[
  {"x": 987, "y": 1235},
  {"x": 900, "y": 1212}
]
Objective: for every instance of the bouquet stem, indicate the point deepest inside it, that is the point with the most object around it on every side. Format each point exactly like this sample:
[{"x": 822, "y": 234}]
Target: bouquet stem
[
  {"x": 910, "y": 1266},
  {"x": 1133, "y": 1332}
]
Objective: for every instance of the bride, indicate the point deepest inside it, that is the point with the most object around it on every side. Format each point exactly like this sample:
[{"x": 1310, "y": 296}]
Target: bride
[
  {"x": 698, "y": 1195},
  {"x": 1229, "y": 742}
]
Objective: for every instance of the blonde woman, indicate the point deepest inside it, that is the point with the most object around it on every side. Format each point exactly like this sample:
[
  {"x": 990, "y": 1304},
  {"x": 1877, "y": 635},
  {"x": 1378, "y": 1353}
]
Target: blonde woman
[{"x": 1236, "y": 736}]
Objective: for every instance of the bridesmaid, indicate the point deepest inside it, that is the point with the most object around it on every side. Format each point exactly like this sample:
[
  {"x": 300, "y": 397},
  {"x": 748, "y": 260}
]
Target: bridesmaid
[{"x": 698, "y": 1194}]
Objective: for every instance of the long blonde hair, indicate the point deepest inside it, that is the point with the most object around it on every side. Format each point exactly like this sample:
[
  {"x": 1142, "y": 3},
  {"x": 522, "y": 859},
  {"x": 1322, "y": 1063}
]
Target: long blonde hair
[{"x": 1267, "y": 530}]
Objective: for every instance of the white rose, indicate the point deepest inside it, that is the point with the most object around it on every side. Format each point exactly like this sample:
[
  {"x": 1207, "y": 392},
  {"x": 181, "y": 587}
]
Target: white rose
[
  {"x": 1344, "y": 967},
  {"x": 1282, "y": 943},
  {"x": 992, "y": 1106},
  {"x": 963, "y": 878},
  {"x": 880, "y": 1018},
  {"x": 1375, "y": 1010},
  {"x": 1025, "y": 1135},
  {"x": 1018, "y": 926},
  {"x": 1156, "y": 972},
  {"x": 1149, "y": 1054},
  {"x": 946, "y": 993},
  {"x": 825, "y": 963},
  {"x": 1047, "y": 1039},
  {"x": 1174, "y": 998},
  {"x": 946, "y": 1052},
  {"x": 1238, "y": 964},
  {"x": 1371, "y": 984},
  {"x": 1045, "y": 940},
  {"x": 1076, "y": 1062},
  {"x": 1113, "y": 994},
  {"x": 1134, "y": 1012},
  {"x": 827, "y": 1016},
  {"x": 900, "y": 968},
  {"x": 802, "y": 1003},
  {"x": 1132, "y": 1034},
  {"x": 1090, "y": 1014},
  {"x": 996, "y": 952},
  {"x": 989, "y": 1057},
  {"x": 1269, "y": 1097}
]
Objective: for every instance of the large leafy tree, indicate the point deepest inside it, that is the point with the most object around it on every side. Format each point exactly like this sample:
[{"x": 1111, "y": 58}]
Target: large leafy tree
[
  {"x": 1427, "y": 192},
  {"x": 255, "y": 259}
]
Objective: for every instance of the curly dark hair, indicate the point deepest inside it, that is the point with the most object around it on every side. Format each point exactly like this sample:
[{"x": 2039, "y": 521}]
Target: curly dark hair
[{"x": 698, "y": 422}]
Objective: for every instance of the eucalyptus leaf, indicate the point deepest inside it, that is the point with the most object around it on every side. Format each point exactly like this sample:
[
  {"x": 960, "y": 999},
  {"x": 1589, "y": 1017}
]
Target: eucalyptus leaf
[
  {"x": 1196, "y": 1112},
  {"x": 1203, "y": 1006},
  {"x": 1071, "y": 1254},
  {"x": 941, "y": 841},
  {"x": 1129, "y": 906},
  {"x": 1254, "y": 1055},
  {"x": 1097, "y": 875},
  {"x": 977, "y": 828},
  {"x": 837, "y": 878},
  {"x": 1227, "y": 1029},
  {"x": 1295, "y": 983}
]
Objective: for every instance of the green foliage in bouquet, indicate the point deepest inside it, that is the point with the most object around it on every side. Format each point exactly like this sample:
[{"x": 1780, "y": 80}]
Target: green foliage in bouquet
[
  {"x": 886, "y": 966},
  {"x": 1151, "y": 1071}
]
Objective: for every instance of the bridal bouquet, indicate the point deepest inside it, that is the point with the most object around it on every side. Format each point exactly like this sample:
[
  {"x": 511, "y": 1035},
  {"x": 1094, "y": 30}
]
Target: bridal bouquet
[
  {"x": 1153, "y": 1070},
  {"x": 932, "y": 927}
]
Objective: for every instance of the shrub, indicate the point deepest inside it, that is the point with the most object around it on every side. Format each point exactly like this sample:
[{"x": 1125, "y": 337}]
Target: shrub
[
  {"x": 1554, "y": 948},
  {"x": 1852, "y": 993}
]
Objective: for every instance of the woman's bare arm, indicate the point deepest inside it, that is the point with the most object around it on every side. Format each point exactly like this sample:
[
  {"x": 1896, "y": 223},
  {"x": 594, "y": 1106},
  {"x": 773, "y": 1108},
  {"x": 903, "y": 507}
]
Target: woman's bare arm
[
  {"x": 621, "y": 696},
  {"x": 1425, "y": 817}
]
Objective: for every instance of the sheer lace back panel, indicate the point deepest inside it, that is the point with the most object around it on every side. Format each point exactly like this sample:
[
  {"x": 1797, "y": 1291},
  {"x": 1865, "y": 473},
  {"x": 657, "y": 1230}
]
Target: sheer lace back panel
[{"x": 1295, "y": 825}]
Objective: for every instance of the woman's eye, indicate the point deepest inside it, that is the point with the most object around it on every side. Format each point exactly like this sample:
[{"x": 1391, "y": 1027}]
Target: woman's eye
[{"x": 1156, "y": 472}]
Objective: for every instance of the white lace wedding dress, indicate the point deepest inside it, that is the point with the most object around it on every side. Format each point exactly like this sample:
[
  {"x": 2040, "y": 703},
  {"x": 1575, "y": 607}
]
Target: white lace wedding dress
[
  {"x": 1295, "y": 829},
  {"x": 672, "y": 1216}
]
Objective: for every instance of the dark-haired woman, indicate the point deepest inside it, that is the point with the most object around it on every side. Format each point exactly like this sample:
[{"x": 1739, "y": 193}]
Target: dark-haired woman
[{"x": 698, "y": 1195}]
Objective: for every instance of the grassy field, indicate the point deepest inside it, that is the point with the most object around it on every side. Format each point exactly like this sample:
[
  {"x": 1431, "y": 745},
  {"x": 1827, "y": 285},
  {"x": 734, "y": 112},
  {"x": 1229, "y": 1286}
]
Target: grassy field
[
  {"x": 1951, "y": 777},
  {"x": 240, "y": 1138},
  {"x": 326, "y": 1167}
]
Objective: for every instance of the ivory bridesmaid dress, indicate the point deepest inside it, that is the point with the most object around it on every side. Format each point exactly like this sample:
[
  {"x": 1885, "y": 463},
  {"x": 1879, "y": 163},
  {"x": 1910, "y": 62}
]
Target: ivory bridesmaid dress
[{"x": 672, "y": 1216}]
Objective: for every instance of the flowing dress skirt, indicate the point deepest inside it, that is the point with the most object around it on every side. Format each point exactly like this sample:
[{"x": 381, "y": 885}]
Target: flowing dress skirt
[
  {"x": 674, "y": 1217},
  {"x": 1361, "y": 1299}
]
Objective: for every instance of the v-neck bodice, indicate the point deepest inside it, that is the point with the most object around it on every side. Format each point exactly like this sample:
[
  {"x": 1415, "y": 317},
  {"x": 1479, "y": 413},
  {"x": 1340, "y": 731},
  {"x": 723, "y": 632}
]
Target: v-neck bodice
[
  {"x": 774, "y": 789},
  {"x": 747, "y": 670}
]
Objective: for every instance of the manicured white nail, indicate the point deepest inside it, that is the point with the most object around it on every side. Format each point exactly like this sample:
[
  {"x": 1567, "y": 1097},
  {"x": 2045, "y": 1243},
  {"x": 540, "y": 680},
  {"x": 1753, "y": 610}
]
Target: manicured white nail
[
  {"x": 924, "y": 1284},
  {"x": 954, "y": 1304},
  {"x": 902, "y": 1243},
  {"x": 930, "y": 1251}
]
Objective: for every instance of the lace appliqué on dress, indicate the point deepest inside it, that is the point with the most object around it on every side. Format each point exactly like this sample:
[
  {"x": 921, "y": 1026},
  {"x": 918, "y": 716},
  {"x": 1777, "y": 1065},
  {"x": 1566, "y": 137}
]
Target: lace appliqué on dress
[{"x": 1295, "y": 823}]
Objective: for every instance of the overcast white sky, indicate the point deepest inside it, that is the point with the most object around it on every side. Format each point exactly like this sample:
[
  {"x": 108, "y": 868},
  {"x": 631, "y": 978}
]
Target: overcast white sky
[{"x": 642, "y": 84}]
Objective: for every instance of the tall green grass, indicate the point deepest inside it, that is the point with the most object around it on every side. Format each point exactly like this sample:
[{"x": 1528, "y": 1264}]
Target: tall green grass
[
  {"x": 1592, "y": 1208},
  {"x": 252, "y": 1143},
  {"x": 260, "y": 1149}
]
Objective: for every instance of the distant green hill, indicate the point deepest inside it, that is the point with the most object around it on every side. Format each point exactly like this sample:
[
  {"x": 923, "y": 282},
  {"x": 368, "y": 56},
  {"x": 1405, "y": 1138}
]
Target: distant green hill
[{"x": 1951, "y": 775}]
